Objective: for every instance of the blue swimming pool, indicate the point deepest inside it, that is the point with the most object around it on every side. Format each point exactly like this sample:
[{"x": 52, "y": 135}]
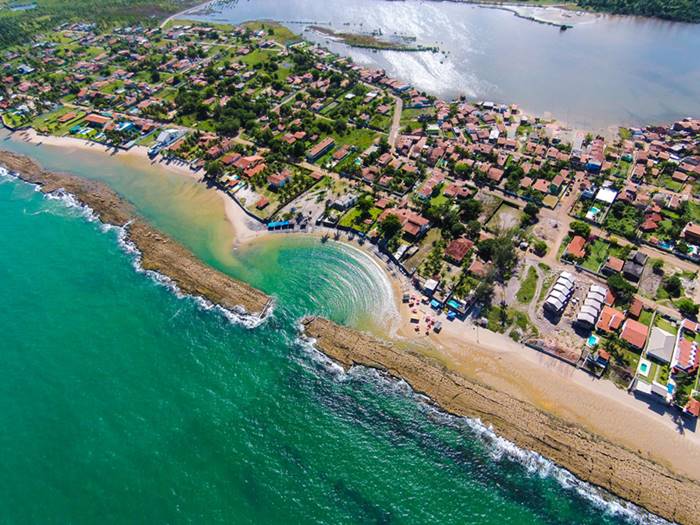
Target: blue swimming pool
[{"x": 592, "y": 340}]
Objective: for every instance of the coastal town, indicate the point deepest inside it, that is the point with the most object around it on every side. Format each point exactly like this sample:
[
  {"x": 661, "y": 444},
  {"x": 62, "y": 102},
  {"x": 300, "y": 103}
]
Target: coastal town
[{"x": 582, "y": 247}]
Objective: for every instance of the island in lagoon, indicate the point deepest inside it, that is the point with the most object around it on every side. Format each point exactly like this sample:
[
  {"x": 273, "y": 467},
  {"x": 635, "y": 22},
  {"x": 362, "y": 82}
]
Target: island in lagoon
[
  {"x": 372, "y": 41},
  {"x": 582, "y": 248}
]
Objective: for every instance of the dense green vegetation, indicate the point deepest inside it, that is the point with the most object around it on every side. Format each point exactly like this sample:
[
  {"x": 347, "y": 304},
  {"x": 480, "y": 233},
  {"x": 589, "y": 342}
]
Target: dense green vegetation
[
  {"x": 683, "y": 10},
  {"x": 18, "y": 26}
]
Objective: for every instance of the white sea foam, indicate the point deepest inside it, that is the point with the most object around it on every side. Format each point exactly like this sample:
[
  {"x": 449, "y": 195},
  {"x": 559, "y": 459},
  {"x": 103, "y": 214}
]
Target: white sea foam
[
  {"x": 308, "y": 345},
  {"x": 6, "y": 175},
  {"x": 499, "y": 448},
  {"x": 69, "y": 201},
  {"x": 236, "y": 316}
]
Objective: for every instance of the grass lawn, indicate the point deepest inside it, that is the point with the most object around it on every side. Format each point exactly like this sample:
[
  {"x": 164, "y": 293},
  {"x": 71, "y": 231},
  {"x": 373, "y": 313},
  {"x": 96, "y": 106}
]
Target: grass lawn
[
  {"x": 149, "y": 139},
  {"x": 645, "y": 317},
  {"x": 668, "y": 182},
  {"x": 598, "y": 254},
  {"x": 408, "y": 115},
  {"x": 352, "y": 219},
  {"x": 258, "y": 56},
  {"x": 548, "y": 282},
  {"x": 279, "y": 34},
  {"x": 358, "y": 137},
  {"x": 528, "y": 286},
  {"x": 48, "y": 122},
  {"x": 14, "y": 120},
  {"x": 439, "y": 200},
  {"x": 665, "y": 325},
  {"x": 382, "y": 122}
]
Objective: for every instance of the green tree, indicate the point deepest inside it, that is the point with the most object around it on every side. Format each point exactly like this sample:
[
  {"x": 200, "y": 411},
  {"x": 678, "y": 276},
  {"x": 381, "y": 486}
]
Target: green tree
[
  {"x": 622, "y": 289},
  {"x": 390, "y": 226},
  {"x": 540, "y": 247},
  {"x": 470, "y": 209},
  {"x": 580, "y": 228},
  {"x": 213, "y": 169},
  {"x": 687, "y": 307},
  {"x": 673, "y": 286}
]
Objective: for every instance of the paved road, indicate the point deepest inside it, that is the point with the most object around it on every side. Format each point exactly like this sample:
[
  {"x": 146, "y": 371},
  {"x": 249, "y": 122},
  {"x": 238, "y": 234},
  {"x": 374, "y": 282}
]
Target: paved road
[{"x": 395, "y": 123}]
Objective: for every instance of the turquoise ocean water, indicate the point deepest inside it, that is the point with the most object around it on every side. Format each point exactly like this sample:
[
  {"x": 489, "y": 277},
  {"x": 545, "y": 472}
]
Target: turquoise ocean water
[{"x": 122, "y": 403}]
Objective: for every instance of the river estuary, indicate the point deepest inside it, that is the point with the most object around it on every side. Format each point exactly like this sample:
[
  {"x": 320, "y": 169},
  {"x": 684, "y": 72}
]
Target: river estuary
[{"x": 606, "y": 71}]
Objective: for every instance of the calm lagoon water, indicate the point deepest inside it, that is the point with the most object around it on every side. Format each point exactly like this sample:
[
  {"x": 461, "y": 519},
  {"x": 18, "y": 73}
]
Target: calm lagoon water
[
  {"x": 121, "y": 403},
  {"x": 606, "y": 71}
]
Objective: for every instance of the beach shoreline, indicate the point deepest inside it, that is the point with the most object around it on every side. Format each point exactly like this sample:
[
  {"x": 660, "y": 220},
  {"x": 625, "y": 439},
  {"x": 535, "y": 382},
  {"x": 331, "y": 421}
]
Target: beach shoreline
[
  {"x": 493, "y": 359},
  {"x": 489, "y": 357},
  {"x": 156, "y": 251},
  {"x": 592, "y": 458}
]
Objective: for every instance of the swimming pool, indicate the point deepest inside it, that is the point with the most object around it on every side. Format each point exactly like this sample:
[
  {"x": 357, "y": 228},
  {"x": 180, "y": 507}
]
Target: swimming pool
[
  {"x": 592, "y": 213},
  {"x": 592, "y": 340},
  {"x": 644, "y": 367}
]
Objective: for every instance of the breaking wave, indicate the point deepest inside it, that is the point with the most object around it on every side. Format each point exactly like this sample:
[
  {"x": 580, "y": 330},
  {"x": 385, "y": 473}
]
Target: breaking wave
[
  {"x": 498, "y": 448},
  {"x": 236, "y": 316}
]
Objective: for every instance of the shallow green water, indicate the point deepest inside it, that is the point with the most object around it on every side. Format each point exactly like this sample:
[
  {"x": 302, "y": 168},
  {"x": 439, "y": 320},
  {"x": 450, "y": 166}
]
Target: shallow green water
[{"x": 121, "y": 403}]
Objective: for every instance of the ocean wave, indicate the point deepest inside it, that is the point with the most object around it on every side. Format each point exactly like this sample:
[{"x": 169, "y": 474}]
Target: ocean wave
[
  {"x": 236, "y": 316},
  {"x": 71, "y": 202},
  {"x": 6, "y": 175},
  {"x": 319, "y": 359},
  {"x": 498, "y": 447}
]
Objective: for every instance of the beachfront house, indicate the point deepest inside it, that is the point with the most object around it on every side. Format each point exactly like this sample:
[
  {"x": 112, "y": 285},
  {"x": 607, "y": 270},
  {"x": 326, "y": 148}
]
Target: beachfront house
[
  {"x": 277, "y": 181},
  {"x": 634, "y": 333},
  {"x": 96, "y": 121},
  {"x": 592, "y": 306}
]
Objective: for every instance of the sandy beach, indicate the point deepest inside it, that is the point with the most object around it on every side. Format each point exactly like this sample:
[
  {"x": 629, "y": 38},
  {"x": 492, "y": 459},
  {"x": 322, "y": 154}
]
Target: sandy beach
[
  {"x": 246, "y": 229},
  {"x": 490, "y": 358}
]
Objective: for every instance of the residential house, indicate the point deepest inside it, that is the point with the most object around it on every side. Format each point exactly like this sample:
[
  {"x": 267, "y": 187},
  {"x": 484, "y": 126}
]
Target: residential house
[
  {"x": 635, "y": 333},
  {"x": 320, "y": 149},
  {"x": 279, "y": 180},
  {"x": 661, "y": 345},
  {"x": 610, "y": 320},
  {"x": 458, "y": 249},
  {"x": 413, "y": 224},
  {"x": 576, "y": 248}
]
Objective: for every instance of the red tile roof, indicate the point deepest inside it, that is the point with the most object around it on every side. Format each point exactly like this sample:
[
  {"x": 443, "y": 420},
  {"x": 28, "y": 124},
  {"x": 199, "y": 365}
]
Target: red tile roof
[
  {"x": 610, "y": 319},
  {"x": 636, "y": 306},
  {"x": 541, "y": 185},
  {"x": 576, "y": 247},
  {"x": 688, "y": 354},
  {"x": 635, "y": 333},
  {"x": 693, "y": 407},
  {"x": 458, "y": 249},
  {"x": 615, "y": 264}
]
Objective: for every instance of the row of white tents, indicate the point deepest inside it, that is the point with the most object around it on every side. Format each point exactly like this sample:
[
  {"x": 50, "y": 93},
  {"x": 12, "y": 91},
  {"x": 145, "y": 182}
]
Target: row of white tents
[
  {"x": 593, "y": 305},
  {"x": 560, "y": 293}
]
